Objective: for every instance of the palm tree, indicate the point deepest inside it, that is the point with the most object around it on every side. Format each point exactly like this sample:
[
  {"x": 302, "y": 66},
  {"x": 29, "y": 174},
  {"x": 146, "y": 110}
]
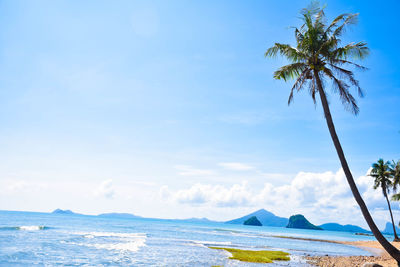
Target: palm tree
[
  {"x": 382, "y": 173},
  {"x": 395, "y": 169},
  {"x": 396, "y": 179},
  {"x": 316, "y": 58}
]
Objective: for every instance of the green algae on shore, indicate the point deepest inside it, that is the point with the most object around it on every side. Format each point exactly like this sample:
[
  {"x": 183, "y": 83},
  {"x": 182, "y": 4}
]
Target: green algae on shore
[{"x": 260, "y": 256}]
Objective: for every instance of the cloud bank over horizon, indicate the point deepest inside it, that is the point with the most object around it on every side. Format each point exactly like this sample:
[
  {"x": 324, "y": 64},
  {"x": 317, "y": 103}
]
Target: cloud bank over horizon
[{"x": 322, "y": 197}]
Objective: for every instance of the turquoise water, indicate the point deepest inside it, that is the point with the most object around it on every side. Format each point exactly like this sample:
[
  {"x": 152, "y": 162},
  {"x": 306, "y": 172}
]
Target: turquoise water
[{"x": 42, "y": 239}]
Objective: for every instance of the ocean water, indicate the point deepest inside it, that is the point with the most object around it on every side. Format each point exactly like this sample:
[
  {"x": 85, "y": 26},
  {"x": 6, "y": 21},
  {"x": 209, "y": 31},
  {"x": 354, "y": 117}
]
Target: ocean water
[{"x": 42, "y": 239}]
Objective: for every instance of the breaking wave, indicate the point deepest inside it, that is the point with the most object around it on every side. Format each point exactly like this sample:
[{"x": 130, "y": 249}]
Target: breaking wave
[
  {"x": 113, "y": 241},
  {"x": 25, "y": 228},
  {"x": 208, "y": 243}
]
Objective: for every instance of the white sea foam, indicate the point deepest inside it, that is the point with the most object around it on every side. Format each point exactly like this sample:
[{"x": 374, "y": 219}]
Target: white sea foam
[
  {"x": 208, "y": 243},
  {"x": 123, "y": 246},
  {"x": 211, "y": 243},
  {"x": 110, "y": 234},
  {"x": 117, "y": 241},
  {"x": 31, "y": 227},
  {"x": 198, "y": 242}
]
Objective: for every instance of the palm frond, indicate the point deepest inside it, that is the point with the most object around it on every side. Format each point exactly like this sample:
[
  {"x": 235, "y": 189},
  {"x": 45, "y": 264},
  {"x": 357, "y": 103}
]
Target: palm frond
[
  {"x": 353, "y": 50},
  {"x": 291, "y": 53},
  {"x": 298, "y": 85},
  {"x": 312, "y": 9},
  {"x": 313, "y": 90},
  {"x": 344, "y": 62},
  {"x": 335, "y": 22},
  {"x": 290, "y": 71},
  {"x": 348, "y": 19},
  {"x": 299, "y": 35},
  {"x": 349, "y": 75},
  {"x": 396, "y": 197},
  {"x": 343, "y": 89}
]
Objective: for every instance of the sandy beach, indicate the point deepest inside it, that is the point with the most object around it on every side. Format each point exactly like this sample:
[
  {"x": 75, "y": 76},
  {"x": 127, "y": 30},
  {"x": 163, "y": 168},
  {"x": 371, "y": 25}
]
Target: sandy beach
[{"x": 381, "y": 257}]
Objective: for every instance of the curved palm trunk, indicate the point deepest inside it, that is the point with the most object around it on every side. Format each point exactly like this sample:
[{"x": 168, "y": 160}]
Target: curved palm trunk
[
  {"x": 396, "y": 238},
  {"x": 394, "y": 252}
]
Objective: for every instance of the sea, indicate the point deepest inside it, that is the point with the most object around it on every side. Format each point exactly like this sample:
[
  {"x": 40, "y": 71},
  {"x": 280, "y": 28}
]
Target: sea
[{"x": 45, "y": 239}]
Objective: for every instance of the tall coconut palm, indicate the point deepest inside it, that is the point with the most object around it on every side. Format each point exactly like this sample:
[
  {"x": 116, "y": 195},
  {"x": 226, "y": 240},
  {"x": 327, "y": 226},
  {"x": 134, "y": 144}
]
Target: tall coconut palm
[
  {"x": 317, "y": 58},
  {"x": 382, "y": 173}
]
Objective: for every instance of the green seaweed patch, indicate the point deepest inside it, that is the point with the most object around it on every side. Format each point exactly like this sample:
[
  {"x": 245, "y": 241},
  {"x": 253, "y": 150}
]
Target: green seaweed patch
[{"x": 260, "y": 256}]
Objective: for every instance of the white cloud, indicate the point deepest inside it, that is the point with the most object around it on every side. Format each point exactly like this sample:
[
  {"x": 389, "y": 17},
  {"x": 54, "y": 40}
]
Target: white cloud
[
  {"x": 143, "y": 183},
  {"x": 185, "y": 170},
  {"x": 164, "y": 192},
  {"x": 323, "y": 197},
  {"x": 25, "y": 187},
  {"x": 236, "y": 166},
  {"x": 217, "y": 195},
  {"x": 105, "y": 189}
]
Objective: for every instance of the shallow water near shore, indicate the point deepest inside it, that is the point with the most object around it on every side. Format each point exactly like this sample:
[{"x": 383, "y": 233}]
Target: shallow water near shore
[{"x": 29, "y": 238}]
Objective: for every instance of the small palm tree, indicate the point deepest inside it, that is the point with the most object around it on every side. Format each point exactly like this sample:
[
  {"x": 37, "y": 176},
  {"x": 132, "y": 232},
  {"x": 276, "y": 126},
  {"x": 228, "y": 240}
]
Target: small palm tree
[
  {"x": 396, "y": 179},
  {"x": 395, "y": 167},
  {"x": 317, "y": 58},
  {"x": 382, "y": 173}
]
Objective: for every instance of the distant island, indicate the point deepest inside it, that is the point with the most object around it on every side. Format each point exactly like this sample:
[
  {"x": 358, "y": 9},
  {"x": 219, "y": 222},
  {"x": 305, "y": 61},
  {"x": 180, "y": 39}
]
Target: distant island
[
  {"x": 252, "y": 221},
  {"x": 300, "y": 222},
  {"x": 266, "y": 218},
  {"x": 65, "y": 212},
  {"x": 389, "y": 229}
]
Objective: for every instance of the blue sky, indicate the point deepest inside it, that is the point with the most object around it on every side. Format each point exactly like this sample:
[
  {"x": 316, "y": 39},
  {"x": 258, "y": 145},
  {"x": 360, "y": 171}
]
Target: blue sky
[{"x": 125, "y": 106}]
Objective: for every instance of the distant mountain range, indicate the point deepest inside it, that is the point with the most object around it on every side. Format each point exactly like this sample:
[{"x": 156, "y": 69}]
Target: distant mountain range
[
  {"x": 269, "y": 219},
  {"x": 265, "y": 217},
  {"x": 103, "y": 215},
  {"x": 125, "y": 216},
  {"x": 344, "y": 228}
]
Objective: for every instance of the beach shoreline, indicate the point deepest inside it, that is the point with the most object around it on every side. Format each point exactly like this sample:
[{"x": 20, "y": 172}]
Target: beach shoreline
[{"x": 380, "y": 256}]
